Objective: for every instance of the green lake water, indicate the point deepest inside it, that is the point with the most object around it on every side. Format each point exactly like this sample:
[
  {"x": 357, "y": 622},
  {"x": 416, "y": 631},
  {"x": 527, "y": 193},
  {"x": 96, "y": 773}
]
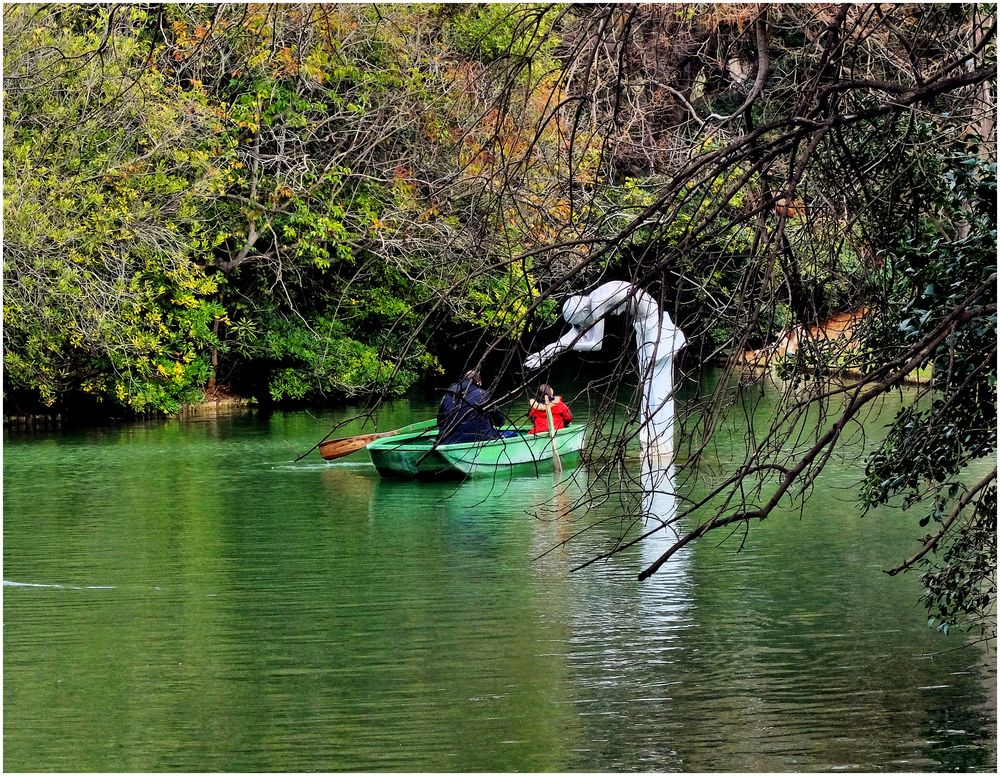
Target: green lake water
[{"x": 179, "y": 596}]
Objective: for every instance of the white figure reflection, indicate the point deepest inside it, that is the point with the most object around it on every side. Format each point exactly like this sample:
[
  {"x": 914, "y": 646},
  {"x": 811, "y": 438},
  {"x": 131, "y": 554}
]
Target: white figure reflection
[
  {"x": 658, "y": 341},
  {"x": 659, "y": 500},
  {"x": 665, "y": 597}
]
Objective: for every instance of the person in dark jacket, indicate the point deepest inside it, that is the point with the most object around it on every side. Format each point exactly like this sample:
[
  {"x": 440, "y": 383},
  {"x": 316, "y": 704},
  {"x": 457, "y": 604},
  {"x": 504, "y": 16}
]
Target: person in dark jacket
[{"x": 462, "y": 417}]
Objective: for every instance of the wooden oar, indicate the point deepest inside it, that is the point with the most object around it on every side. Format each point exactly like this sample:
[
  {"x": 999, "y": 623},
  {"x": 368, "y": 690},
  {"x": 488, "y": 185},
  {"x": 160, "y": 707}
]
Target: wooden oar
[
  {"x": 556, "y": 463},
  {"x": 333, "y": 449}
]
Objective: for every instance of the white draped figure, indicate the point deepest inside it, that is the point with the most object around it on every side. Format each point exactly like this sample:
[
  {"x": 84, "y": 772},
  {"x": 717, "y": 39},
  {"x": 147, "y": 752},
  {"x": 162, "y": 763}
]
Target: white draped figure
[{"x": 657, "y": 339}]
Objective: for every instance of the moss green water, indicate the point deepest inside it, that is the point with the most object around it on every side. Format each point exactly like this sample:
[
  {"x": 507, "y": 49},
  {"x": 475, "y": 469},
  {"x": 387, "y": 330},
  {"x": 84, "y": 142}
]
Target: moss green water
[{"x": 179, "y": 596}]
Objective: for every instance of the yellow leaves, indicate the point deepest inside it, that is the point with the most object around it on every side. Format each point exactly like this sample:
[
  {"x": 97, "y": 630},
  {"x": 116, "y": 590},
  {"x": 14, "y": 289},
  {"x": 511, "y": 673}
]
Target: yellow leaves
[
  {"x": 174, "y": 372},
  {"x": 193, "y": 283},
  {"x": 429, "y": 363},
  {"x": 256, "y": 60},
  {"x": 404, "y": 187},
  {"x": 193, "y": 156},
  {"x": 313, "y": 71}
]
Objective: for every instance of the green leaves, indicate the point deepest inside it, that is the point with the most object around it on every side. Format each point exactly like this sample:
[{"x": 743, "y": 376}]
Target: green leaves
[
  {"x": 103, "y": 293},
  {"x": 946, "y": 265},
  {"x": 495, "y": 31},
  {"x": 319, "y": 359}
]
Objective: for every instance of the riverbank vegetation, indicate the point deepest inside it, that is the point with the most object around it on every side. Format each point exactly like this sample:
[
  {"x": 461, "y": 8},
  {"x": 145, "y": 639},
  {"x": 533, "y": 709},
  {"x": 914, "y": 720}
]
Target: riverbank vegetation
[{"x": 326, "y": 202}]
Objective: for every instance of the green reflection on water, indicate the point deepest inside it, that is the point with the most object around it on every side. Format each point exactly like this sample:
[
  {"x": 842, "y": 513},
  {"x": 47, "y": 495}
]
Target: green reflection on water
[{"x": 208, "y": 605}]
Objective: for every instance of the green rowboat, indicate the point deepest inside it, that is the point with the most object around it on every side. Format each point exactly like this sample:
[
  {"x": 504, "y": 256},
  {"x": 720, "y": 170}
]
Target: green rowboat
[{"x": 412, "y": 454}]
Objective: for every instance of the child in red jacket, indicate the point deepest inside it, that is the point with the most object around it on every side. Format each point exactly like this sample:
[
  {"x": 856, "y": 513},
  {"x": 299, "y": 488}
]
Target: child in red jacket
[{"x": 561, "y": 416}]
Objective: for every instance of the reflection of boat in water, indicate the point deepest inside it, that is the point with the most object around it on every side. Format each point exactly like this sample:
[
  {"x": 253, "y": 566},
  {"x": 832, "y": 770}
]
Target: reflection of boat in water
[
  {"x": 413, "y": 453},
  {"x": 536, "y": 499},
  {"x": 514, "y": 520}
]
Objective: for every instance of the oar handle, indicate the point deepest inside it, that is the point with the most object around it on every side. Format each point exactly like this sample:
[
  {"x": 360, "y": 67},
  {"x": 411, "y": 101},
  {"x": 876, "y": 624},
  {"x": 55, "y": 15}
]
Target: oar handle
[{"x": 556, "y": 463}]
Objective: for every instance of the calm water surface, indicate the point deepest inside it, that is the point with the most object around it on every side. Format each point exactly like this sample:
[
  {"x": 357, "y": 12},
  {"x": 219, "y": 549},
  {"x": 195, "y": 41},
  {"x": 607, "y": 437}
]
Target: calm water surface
[{"x": 180, "y": 596}]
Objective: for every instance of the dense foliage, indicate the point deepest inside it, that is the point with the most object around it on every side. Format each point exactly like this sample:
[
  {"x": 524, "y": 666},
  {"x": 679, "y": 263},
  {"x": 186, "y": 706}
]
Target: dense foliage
[
  {"x": 946, "y": 260},
  {"x": 199, "y": 193}
]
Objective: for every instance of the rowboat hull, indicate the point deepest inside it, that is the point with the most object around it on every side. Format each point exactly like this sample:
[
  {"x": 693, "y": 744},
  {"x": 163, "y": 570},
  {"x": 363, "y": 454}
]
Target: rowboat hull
[{"x": 413, "y": 455}]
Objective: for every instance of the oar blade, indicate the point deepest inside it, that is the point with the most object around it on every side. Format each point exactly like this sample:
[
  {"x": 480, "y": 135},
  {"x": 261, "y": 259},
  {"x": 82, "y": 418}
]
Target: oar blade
[{"x": 333, "y": 449}]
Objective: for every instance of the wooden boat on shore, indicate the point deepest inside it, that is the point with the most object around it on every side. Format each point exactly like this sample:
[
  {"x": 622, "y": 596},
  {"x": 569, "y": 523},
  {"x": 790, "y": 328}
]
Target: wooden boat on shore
[{"x": 411, "y": 453}]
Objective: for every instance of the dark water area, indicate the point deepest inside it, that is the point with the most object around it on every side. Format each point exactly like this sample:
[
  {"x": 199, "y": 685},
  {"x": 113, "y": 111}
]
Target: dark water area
[{"x": 180, "y": 595}]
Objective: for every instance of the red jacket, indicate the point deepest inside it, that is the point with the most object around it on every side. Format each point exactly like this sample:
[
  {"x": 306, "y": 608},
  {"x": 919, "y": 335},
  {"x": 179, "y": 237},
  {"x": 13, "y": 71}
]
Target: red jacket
[{"x": 540, "y": 421}]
